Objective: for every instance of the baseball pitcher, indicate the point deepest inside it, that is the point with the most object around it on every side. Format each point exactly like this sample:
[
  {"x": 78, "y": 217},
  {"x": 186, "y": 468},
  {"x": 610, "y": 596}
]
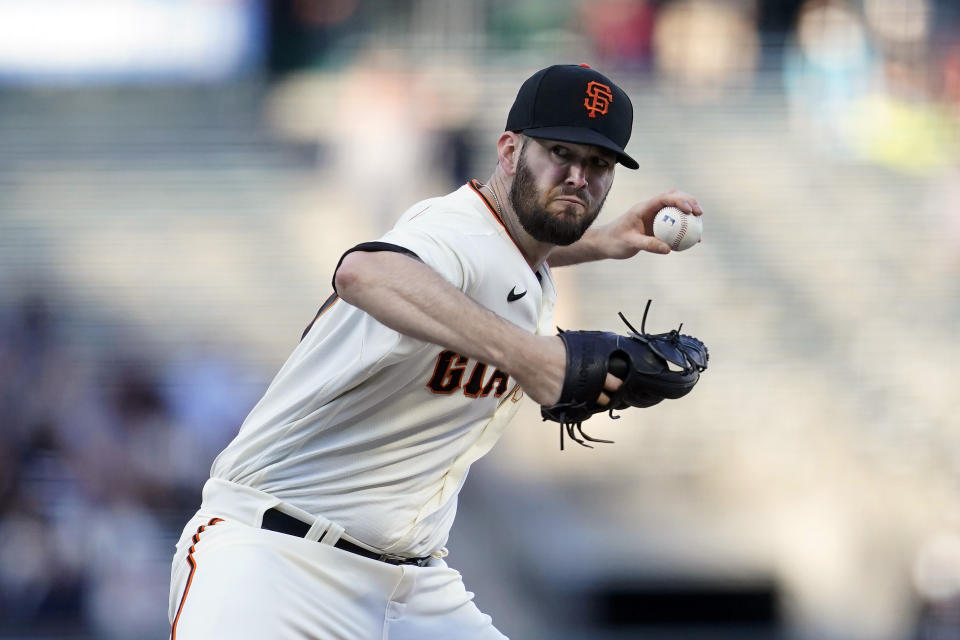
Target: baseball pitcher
[{"x": 326, "y": 517}]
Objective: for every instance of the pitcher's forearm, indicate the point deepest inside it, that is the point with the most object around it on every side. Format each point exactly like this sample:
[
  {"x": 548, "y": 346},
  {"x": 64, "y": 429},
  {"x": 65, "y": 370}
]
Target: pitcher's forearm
[
  {"x": 587, "y": 249},
  {"x": 411, "y": 298}
]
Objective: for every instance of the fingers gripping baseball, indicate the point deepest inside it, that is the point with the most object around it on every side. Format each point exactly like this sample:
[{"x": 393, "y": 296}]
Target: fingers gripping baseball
[
  {"x": 634, "y": 231},
  {"x": 677, "y": 199},
  {"x": 678, "y": 223}
]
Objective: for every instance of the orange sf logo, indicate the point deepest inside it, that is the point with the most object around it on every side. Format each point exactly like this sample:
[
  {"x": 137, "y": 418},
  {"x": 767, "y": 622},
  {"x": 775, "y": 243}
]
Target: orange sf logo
[{"x": 598, "y": 98}]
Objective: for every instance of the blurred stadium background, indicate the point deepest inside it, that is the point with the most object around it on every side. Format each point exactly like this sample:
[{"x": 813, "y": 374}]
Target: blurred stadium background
[{"x": 178, "y": 179}]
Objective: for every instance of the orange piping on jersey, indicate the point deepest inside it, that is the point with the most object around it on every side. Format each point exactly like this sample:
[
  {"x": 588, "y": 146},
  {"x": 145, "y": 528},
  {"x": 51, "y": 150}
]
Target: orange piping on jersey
[
  {"x": 419, "y": 212},
  {"x": 329, "y": 302},
  {"x": 475, "y": 185},
  {"x": 193, "y": 568}
]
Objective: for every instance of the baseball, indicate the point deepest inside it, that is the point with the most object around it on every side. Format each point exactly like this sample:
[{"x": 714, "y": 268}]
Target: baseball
[{"x": 678, "y": 229}]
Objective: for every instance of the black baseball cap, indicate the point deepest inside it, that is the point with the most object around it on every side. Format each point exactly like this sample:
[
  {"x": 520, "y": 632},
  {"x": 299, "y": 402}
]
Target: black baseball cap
[{"x": 574, "y": 103}]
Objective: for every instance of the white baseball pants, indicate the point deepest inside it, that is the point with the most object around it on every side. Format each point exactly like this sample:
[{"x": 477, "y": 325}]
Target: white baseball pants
[{"x": 231, "y": 579}]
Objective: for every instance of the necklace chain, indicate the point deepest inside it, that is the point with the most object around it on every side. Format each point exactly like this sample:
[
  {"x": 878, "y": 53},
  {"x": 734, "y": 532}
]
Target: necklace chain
[{"x": 497, "y": 200}]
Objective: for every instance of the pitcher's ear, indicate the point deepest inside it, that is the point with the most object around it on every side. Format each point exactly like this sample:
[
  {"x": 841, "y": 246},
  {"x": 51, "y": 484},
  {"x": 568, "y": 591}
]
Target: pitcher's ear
[{"x": 509, "y": 146}]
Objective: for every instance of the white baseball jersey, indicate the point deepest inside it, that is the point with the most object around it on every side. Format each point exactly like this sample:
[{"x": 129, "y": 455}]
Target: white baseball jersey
[{"x": 376, "y": 430}]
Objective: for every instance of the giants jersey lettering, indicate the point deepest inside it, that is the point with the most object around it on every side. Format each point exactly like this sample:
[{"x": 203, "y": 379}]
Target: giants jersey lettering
[
  {"x": 448, "y": 377},
  {"x": 376, "y": 430}
]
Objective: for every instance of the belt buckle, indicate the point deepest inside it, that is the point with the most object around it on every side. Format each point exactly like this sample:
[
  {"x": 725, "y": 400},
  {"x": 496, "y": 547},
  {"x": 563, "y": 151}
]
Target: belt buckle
[
  {"x": 395, "y": 559},
  {"x": 391, "y": 558}
]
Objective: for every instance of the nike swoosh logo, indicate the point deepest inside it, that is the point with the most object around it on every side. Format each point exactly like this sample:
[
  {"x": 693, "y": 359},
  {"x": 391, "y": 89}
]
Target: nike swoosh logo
[{"x": 513, "y": 296}]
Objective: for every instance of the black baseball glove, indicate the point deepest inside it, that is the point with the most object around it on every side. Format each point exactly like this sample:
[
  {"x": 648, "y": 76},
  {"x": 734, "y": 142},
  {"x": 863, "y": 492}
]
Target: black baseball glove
[{"x": 652, "y": 366}]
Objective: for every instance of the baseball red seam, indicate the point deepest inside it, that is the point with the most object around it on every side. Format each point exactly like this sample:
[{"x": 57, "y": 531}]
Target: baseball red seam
[{"x": 682, "y": 232}]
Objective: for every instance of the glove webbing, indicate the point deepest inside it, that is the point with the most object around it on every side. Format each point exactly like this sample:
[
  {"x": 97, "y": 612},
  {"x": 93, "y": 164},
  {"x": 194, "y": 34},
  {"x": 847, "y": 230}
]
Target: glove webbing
[{"x": 574, "y": 428}]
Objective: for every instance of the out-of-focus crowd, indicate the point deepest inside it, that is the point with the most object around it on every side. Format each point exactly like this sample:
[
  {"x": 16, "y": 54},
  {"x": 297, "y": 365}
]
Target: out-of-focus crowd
[{"x": 103, "y": 450}]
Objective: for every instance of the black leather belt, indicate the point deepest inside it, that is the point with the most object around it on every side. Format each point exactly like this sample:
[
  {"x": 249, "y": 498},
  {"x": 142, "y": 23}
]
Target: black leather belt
[{"x": 278, "y": 521}]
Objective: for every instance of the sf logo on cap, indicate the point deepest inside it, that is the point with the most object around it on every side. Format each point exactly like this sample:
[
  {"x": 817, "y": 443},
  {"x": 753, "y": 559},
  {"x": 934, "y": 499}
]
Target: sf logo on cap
[{"x": 598, "y": 98}]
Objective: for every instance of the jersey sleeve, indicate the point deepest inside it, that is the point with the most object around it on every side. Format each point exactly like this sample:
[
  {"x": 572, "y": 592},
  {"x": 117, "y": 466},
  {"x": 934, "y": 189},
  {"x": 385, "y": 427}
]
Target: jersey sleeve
[
  {"x": 370, "y": 246},
  {"x": 439, "y": 245}
]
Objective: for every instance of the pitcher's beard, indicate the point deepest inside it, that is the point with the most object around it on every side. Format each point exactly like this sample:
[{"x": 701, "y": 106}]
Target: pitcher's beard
[{"x": 560, "y": 228}]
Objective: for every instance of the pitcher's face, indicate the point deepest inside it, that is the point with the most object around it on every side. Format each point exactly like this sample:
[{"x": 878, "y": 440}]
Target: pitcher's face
[{"x": 559, "y": 188}]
